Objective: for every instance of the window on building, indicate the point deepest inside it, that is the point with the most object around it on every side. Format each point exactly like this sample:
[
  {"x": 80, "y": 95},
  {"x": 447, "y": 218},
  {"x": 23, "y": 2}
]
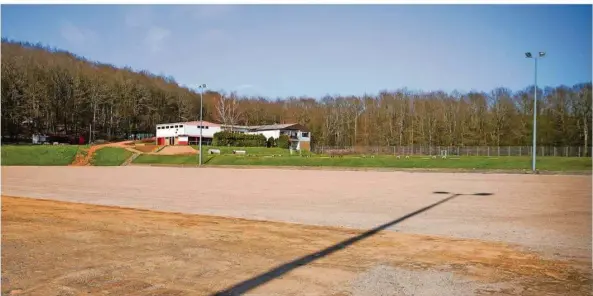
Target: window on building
[{"x": 305, "y": 135}]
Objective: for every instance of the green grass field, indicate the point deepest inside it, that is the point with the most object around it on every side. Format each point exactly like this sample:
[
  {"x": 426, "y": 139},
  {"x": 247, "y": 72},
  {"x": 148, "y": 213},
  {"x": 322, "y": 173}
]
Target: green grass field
[
  {"x": 38, "y": 154},
  {"x": 263, "y": 151},
  {"x": 110, "y": 156},
  {"x": 471, "y": 162}
]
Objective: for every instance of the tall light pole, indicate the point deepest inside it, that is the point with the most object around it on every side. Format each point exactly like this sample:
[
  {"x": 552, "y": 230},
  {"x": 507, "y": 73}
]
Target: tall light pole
[
  {"x": 201, "y": 87},
  {"x": 528, "y": 55}
]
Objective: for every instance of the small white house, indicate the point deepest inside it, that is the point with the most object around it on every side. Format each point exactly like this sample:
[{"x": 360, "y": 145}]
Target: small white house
[{"x": 300, "y": 136}]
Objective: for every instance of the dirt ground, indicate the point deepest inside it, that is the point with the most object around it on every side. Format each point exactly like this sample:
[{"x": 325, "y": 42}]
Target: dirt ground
[
  {"x": 176, "y": 150},
  {"x": 516, "y": 234},
  {"x": 56, "y": 248}
]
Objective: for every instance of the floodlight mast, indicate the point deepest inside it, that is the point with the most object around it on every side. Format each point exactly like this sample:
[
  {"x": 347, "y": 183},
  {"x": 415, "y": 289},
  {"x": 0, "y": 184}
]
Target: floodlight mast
[
  {"x": 528, "y": 55},
  {"x": 201, "y": 87}
]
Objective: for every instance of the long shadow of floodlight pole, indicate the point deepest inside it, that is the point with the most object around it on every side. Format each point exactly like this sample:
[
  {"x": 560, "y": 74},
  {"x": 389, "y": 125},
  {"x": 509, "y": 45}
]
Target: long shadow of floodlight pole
[{"x": 278, "y": 271}]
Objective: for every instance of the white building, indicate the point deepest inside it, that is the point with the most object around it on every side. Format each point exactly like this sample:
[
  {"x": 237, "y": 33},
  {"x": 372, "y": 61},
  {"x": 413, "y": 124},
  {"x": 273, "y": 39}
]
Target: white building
[
  {"x": 188, "y": 133},
  {"x": 185, "y": 133},
  {"x": 300, "y": 136}
]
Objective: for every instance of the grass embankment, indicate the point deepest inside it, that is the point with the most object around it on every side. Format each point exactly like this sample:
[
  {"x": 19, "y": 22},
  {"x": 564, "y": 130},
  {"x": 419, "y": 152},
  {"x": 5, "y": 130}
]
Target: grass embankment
[
  {"x": 470, "y": 163},
  {"x": 110, "y": 156},
  {"x": 250, "y": 150},
  {"x": 39, "y": 154}
]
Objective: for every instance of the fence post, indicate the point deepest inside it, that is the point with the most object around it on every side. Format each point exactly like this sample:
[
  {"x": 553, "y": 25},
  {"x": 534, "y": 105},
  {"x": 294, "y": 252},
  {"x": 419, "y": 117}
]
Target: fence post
[
  {"x": 498, "y": 148},
  {"x": 520, "y": 151},
  {"x": 393, "y": 150},
  {"x": 579, "y": 151},
  {"x": 554, "y": 151},
  {"x": 543, "y": 151},
  {"x": 509, "y": 150},
  {"x": 458, "y": 151},
  {"x": 488, "y": 149}
]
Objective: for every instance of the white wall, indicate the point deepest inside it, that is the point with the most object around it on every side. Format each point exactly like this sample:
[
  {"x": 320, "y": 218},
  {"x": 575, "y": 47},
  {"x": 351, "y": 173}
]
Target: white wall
[
  {"x": 302, "y": 138},
  {"x": 175, "y": 129},
  {"x": 169, "y": 130},
  {"x": 267, "y": 134},
  {"x": 207, "y": 131},
  {"x": 276, "y": 134}
]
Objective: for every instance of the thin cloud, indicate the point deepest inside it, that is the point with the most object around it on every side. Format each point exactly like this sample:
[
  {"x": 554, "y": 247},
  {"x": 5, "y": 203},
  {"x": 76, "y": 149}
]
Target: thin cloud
[
  {"x": 76, "y": 35},
  {"x": 156, "y": 37},
  {"x": 142, "y": 20}
]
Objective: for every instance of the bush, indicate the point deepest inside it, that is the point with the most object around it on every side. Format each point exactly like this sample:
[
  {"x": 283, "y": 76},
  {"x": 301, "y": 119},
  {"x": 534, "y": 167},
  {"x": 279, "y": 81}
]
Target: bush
[
  {"x": 271, "y": 142},
  {"x": 238, "y": 140},
  {"x": 283, "y": 142}
]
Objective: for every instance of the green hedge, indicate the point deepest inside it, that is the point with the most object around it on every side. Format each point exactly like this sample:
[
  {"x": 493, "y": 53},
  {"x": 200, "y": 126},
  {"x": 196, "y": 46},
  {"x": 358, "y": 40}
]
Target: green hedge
[
  {"x": 283, "y": 142},
  {"x": 238, "y": 140}
]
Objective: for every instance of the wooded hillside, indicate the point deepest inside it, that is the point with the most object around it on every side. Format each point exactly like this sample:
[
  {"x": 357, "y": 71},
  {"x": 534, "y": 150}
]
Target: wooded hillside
[{"x": 43, "y": 88}]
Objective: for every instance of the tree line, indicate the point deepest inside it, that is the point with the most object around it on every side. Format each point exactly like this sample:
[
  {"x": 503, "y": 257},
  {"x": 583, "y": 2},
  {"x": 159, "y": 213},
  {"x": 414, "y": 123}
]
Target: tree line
[{"x": 46, "y": 90}]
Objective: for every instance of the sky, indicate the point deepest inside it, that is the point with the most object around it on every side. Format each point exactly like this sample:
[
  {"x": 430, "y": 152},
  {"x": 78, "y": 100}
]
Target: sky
[{"x": 317, "y": 50}]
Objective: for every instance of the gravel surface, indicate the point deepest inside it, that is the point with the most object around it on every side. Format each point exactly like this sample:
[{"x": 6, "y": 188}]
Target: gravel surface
[
  {"x": 384, "y": 280},
  {"x": 549, "y": 214}
]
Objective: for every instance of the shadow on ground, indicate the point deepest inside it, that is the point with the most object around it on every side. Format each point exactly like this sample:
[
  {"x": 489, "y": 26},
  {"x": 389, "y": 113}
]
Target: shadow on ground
[{"x": 258, "y": 280}]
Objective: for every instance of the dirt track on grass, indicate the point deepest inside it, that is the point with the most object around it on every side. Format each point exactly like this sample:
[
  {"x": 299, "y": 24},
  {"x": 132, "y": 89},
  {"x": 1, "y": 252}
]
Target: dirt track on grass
[
  {"x": 85, "y": 160},
  {"x": 56, "y": 248}
]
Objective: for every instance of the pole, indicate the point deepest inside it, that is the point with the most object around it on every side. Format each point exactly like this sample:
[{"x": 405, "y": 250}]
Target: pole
[
  {"x": 534, "y": 120},
  {"x": 201, "y": 125}
]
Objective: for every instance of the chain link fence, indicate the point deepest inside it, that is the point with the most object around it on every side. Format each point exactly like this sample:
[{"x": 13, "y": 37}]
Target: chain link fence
[{"x": 457, "y": 150}]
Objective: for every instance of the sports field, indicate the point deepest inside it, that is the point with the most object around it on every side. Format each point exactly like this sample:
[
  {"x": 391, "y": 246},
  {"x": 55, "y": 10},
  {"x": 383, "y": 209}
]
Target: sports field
[{"x": 347, "y": 232}]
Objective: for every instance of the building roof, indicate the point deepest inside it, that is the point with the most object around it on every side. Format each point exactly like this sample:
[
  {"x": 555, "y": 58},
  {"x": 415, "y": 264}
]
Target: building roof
[
  {"x": 268, "y": 127},
  {"x": 196, "y": 122},
  {"x": 286, "y": 126}
]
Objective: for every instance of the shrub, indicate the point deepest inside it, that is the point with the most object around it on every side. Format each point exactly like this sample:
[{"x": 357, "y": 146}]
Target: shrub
[
  {"x": 271, "y": 142},
  {"x": 283, "y": 142},
  {"x": 238, "y": 140}
]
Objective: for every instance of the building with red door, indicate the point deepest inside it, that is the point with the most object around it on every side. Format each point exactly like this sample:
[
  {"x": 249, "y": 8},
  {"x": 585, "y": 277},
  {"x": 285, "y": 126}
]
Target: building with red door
[{"x": 186, "y": 133}]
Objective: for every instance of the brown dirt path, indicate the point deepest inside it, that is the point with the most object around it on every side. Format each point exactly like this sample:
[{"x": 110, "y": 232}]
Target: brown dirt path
[
  {"x": 57, "y": 248},
  {"x": 83, "y": 158}
]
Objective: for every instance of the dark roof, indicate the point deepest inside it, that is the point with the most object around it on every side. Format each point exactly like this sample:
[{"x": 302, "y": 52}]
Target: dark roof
[{"x": 286, "y": 126}]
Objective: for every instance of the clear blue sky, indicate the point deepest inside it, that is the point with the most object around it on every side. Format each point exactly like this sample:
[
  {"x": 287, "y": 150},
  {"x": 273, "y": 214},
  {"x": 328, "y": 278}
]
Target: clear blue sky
[{"x": 316, "y": 50}]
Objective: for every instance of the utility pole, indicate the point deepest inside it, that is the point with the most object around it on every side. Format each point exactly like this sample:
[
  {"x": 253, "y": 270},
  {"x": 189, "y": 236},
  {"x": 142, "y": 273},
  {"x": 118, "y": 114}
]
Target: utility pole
[{"x": 201, "y": 87}]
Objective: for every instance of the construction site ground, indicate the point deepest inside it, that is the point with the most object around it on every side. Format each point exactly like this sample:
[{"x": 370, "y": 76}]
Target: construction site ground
[{"x": 439, "y": 233}]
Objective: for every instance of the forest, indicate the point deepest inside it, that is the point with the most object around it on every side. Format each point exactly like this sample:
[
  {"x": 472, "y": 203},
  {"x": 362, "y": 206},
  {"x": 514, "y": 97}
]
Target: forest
[{"x": 45, "y": 90}]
